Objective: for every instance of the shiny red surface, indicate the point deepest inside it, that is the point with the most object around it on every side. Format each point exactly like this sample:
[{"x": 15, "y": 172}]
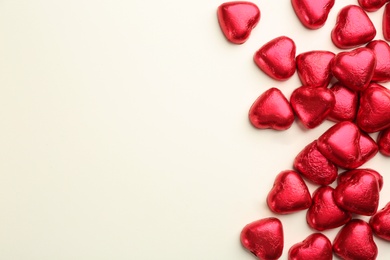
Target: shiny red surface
[
  {"x": 340, "y": 144},
  {"x": 345, "y": 176},
  {"x": 372, "y": 5},
  {"x": 289, "y": 193},
  {"x": 237, "y": 19},
  {"x": 276, "y": 58},
  {"x": 381, "y": 50},
  {"x": 373, "y": 114},
  {"x": 264, "y": 238},
  {"x": 345, "y": 108},
  {"x": 354, "y": 69},
  {"x": 324, "y": 213},
  {"x": 353, "y": 28},
  {"x": 368, "y": 149},
  {"x": 386, "y": 22},
  {"x": 384, "y": 142},
  {"x": 360, "y": 194},
  {"x": 271, "y": 110},
  {"x": 312, "y": 14},
  {"x": 313, "y": 166},
  {"x": 316, "y": 246},
  {"x": 314, "y": 68},
  {"x": 312, "y": 105},
  {"x": 355, "y": 242},
  {"x": 380, "y": 223}
]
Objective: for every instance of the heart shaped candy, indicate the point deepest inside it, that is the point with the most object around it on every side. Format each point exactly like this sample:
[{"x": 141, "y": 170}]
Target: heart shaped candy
[
  {"x": 271, "y": 110},
  {"x": 354, "y": 69},
  {"x": 264, "y": 238},
  {"x": 384, "y": 142},
  {"x": 386, "y": 22},
  {"x": 355, "y": 242},
  {"x": 340, "y": 144},
  {"x": 312, "y": 105},
  {"x": 346, "y": 105},
  {"x": 353, "y": 28},
  {"x": 289, "y": 193},
  {"x": 313, "y": 68},
  {"x": 277, "y": 58},
  {"x": 237, "y": 19},
  {"x": 316, "y": 246},
  {"x": 372, "y": 5},
  {"x": 382, "y": 53},
  {"x": 312, "y": 165},
  {"x": 368, "y": 149},
  {"x": 373, "y": 114},
  {"x": 312, "y": 14},
  {"x": 360, "y": 194},
  {"x": 345, "y": 176},
  {"x": 324, "y": 213},
  {"x": 380, "y": 223}
]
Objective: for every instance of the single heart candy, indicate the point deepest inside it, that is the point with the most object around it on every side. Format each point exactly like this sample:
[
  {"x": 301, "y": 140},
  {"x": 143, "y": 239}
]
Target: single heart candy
[
  {"x": 312, "y": 165},
  {"x": 271, "y": 110},
  {"x": 346, "y": 105},
  {"x": 380, "y": 223},
  {"x": 324, "y": 213},
  {"x": 382, "y": 53},
  {"x": 340, "y": 144},
  {"x": 312, "y": 14},
  {"x": 237, "y": 19},
  {"x": 384, "y": 142},
  {"x": 289, "y": 193},
  {"x": 316, "y": 246},
  {"x": 386, "y": 22},
  {"x": 355, "y": 242},
  {"x": 264, "y": 238},
  {"x": 345, "y": 176},
  {"x": 313, "y": 68},
  {"x": 312, "y": 105},
  {"x": 373, "y": 114},
  {"x": 372, "y": 5},
  {"x": 360, "y": 194},
  {"x": 353, "y": 28},
  {"x": 354, "y": 69},
  {"x": 276, "y": 58}
]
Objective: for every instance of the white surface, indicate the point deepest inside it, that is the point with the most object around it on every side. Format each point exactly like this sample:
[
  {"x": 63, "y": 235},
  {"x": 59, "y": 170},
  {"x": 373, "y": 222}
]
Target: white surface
[{"x": 124, "y": 130}]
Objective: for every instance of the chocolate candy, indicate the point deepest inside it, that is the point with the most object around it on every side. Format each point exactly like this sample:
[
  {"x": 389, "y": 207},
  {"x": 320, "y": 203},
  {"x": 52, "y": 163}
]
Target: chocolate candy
[
  {"x": 355, "y": 242},
  {"x": 354, "y": 69},
  {"x": 289, "y": 193},
  {"x": 316, "y": 246},
  {"x": 380, "y": 223},
  {"x": 312, "y": 165},
  {"x": 340, "y": 144},
  {"x": 384, "y": 142},
  {"x": 345, "y": 176},
  {"x": 277, "y": 58},
  {"x": 264, "y": 238},
  {"x": 312, "y": 14},
  {"x": 358, "y": 194},
  {"x": 271, "y": 110},
  {"x": 313, "y": 68},
  {"x": 312, "y": 105},
  {"x": 386, "y": 22},
  {"x": 237, "y": 19},
  {"x": 324, "y": 213},
  {"x": 373, "y": 114},
  {"x": 372, "y": 5},
  {"x": 353, "y": 28}
]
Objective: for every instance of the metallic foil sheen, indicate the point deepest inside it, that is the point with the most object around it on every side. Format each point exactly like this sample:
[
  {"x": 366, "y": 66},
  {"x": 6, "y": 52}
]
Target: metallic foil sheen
[
  {"x": 316, "y": 246},
  {"x": 237, "y": 19},
  {"x": 312, "y": 14},
  {"x": 384, "y": 142},
  {"x": 346, "y": 105},
  {"x": 380, "y": 223},
  {"x": 264, "y": 238},
  {"x": 381, "y": 50}
]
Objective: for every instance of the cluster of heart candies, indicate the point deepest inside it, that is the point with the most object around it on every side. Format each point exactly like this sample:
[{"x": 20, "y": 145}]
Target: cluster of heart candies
[{"x": 358, "y": 105}]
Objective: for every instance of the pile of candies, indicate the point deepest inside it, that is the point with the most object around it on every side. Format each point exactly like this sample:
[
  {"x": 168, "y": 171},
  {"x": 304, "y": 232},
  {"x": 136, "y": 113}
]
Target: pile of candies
[{"x": 357, "y": 104}]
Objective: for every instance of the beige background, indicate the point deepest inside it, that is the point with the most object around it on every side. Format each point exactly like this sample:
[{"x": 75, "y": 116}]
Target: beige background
[{"x": 124, "y": 131}]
